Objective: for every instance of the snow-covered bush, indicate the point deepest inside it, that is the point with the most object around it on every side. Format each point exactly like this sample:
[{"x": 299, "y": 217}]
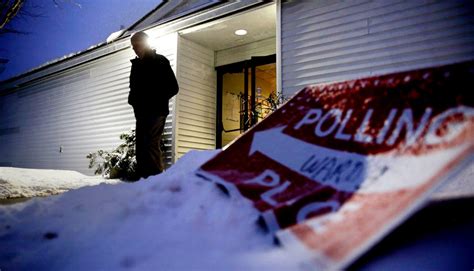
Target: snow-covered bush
[{"x": 120, "y": 163}]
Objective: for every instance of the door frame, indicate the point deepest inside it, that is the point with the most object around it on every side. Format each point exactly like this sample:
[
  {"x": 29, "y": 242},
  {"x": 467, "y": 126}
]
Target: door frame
[{"x": 244, "y": 66}]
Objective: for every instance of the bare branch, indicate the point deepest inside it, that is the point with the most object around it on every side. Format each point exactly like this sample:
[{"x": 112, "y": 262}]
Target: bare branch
[
  {"x": 73, "y": 2},
  {"x": 4, "y": 31},
  {"x": 9, "y": 10},
  {"x": 24, "y": 12},
  {"x": 3, "y": 63}
]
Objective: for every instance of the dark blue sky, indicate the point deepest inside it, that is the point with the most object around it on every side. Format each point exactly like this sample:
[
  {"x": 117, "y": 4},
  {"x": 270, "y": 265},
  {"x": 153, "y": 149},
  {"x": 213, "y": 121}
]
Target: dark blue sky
[{"x": 65, "y": 29}]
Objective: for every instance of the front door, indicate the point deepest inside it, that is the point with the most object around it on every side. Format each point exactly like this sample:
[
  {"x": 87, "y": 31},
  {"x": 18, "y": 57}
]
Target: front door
[{"x": 244, "y": 91}]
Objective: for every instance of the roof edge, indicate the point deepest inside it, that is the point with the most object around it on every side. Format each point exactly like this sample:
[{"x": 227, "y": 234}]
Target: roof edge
[
  {"x": 104, "y": 48},
  {"x": 58, "y": 60},
  {"x": 72, "y": 60}
]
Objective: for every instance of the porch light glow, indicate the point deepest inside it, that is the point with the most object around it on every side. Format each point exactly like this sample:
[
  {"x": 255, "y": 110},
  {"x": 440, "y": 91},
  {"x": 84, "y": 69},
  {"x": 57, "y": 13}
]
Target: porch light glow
[{"x": 241, "y": 32}]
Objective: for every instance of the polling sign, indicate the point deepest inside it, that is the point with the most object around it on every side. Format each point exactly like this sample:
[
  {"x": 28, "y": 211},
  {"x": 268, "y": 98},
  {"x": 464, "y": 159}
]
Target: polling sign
[{"x": 340, "y": 165}]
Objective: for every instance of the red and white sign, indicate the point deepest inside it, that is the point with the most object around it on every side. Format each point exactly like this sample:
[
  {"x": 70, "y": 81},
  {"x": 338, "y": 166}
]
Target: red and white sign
[{"x": 340, "y": 165}]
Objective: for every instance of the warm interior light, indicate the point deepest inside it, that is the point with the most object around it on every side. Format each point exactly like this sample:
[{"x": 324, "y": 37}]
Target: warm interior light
[{"x": 241, "y": 32}]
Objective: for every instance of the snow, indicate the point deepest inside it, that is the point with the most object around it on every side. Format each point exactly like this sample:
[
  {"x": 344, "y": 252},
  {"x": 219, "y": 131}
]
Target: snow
[
  {"x": 115, "y": 35},
  {"x": 461, "y": 186},
  {"x": 23, "y": 182},
  {"x": 172, "y": 221}
]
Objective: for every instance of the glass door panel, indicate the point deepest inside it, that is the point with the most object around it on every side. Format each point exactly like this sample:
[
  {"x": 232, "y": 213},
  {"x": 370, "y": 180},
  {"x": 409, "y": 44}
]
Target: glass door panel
[
  {"x": 233, "y": 105},
  {"x": 245, "y": 92},
  {"x": 265, "y": 90}
]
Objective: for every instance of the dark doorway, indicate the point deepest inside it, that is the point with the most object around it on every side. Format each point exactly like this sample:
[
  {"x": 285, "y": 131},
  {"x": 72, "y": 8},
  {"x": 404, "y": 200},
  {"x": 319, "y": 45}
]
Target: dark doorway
[{"x": 243, "y": 89}]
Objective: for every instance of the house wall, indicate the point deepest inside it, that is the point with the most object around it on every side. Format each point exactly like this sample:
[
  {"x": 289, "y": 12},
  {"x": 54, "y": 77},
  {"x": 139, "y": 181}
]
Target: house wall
[
  {"x": 78, "y": 111},
  {"x": 167, "y": 45},
  {"x": 196, "y": 102},
  {"x": 325, "y": 41},
  {"x": 79, "y": 104},
  {"x": 245, "y": 52}
]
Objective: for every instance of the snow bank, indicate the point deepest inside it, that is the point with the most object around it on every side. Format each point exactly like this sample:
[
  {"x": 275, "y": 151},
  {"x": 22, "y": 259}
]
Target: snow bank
[
  {"x": 461, "y": 186},
  {"x": 173, "y": 221},
  {"x": 22, "y": 182}
]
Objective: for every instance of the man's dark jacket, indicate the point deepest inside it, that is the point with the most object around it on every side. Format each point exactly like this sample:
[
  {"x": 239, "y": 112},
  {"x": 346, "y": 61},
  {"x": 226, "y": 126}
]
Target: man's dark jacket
[{"x": 152, "y": 84}]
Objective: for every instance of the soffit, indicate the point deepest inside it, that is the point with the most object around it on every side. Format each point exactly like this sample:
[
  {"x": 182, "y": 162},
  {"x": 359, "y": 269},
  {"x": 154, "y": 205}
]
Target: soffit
[{"x": 219, "y": 35}]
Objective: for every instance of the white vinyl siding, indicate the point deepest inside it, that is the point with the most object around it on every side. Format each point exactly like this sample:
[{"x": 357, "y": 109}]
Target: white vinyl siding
[
  {"x": 168, "y": 46},
  {"x": 196, "y": 105},
  {"x": 80, "y": 110},
  {"x": 324, "y": 41},
  {"x": 245, "y": 52}
]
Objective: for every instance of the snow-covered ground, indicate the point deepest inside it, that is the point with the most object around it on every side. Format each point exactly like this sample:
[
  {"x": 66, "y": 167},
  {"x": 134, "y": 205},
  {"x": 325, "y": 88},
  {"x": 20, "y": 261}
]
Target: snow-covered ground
[
  {"x": 173, "y": 221},
  {"x": 24, "y": 183}
]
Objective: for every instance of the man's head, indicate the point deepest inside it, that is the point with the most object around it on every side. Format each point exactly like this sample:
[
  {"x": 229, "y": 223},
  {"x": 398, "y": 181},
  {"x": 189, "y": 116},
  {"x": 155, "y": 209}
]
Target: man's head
[{"x": 140, "y": 44}]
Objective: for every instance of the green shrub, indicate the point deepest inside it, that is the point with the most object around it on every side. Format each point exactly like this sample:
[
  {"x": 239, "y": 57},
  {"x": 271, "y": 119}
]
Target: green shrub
[{"x": 120, "y": 163}]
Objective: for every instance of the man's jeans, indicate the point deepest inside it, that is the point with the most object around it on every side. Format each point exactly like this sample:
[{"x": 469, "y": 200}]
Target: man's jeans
[{"x": 149, "y": 130}]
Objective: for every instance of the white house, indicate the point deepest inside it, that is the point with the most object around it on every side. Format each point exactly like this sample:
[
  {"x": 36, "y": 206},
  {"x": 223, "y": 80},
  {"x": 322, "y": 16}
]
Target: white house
[{"x": 54, "y": 115}]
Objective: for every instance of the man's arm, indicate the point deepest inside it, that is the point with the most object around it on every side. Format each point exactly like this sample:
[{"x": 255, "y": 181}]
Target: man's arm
[
  {"x": 168, "y": 78},
  {"x": 172, "y": 83}
]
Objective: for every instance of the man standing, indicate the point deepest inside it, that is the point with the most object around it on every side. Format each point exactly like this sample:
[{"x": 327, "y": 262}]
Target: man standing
[{"x": 152, "y": 85}]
